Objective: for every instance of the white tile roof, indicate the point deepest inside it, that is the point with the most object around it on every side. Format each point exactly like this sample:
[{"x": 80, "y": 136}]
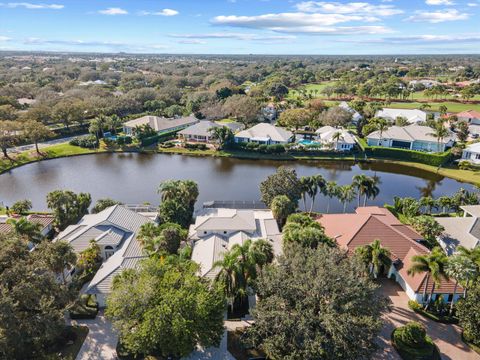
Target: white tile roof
[
  {"x": 464, "y": 231},
  {"x": 412, "y": 115},
  {"x": 241, "y": 225},
  {"x": 474, "y": 148},
  {"x": 265, "y": 132},
  {"x": 410, "y": 133},
  {"x": 326, "y": 134},
  {"x": 202, "y": 128},
  {"x": 160, "y": 123}
]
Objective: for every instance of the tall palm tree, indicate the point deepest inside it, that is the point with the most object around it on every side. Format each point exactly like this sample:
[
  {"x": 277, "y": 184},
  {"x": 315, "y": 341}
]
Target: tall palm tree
[
  {"x": 428, "y": 203},
  {"x": 228, "y": 276},
  {"x": 346, "y": 194},
  {"x": 440, "y": 133},
  {"x": 371, "y": 190},
  {"x": 433, "y": 264},
  {"x": 444, "y": 202},
  {"x": 462, "y": 269},
  {"x": 113, "y": 122},
  {"x": 337, "y": 137},
  {"x": 168, "y": 189},
  {"x": 360, "y": 182},
  {"x": 474, "y": 256},
  {"x": 331, "y": 190},
  {"x": 317, "y": 185},
  {"x": 305, "y": 183},
  {"x": 381, "y": 125},
  {"x": 374, "y": 256},
  {"x": 221, "y": 134},
  {"x": 261, "y": 252}
]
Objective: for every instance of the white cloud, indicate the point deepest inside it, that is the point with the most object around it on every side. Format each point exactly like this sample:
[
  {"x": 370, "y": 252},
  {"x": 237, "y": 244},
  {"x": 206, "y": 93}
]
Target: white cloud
[
  {"x": 439, "y": 2},
  {"x": 357, "y": 8},
  {"x": 462, "y": 38},
  {"x": 31, "y": 6},
  {"x": 473, "y": 4},
  {"x": 438, "y": 16},
  {"x": 4, "y": 38},
  {"x": 164, "y": 12},
  {"x": 191, "y": 42},
  {"x": 113, "y": 11},
  {"x": 236, "y": 36}
]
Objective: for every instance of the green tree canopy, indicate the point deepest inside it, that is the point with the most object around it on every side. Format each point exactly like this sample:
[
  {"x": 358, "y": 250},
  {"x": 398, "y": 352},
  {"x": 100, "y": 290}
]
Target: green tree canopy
[
  {"x": 162, "y": 239},
  {"x": 468, "y": 312},
  {"x": 68, "y": 207},
  {"x": 32, "y": 301},
  {"x": 283, "y": 182},
  {"x": 168, "y": 310},
  {"x": 316, "y": 304},
  {"x": 102, "y": 204}
]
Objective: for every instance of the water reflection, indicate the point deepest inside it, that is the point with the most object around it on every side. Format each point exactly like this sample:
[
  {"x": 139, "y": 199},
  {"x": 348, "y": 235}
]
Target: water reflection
[{"x": 134, "y": 178}]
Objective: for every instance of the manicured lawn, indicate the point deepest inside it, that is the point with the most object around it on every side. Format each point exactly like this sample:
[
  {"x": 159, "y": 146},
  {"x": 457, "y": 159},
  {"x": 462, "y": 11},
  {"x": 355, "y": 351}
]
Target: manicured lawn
[
  {"x": 451, "y": 106},
  {"x": 319, "y": 87},
  {"x": 51, "y": 152}
]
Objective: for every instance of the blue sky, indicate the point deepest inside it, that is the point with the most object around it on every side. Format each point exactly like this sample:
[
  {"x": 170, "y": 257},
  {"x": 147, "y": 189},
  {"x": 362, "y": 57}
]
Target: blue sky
[{"x": 243, "y": 26}]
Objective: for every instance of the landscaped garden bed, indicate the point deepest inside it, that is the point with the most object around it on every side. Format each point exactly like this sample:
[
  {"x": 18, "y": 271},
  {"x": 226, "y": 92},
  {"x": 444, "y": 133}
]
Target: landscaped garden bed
[{"x": 412, "y": 343}]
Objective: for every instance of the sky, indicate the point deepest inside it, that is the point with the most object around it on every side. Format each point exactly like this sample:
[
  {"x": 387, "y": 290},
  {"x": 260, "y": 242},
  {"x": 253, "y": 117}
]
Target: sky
[{"x": 243, "y": 26}]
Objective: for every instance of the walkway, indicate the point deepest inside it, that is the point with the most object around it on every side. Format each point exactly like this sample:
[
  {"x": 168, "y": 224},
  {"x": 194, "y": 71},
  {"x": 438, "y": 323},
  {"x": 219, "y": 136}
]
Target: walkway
[
  {"x": 101, "y": 340},
  {"x": 447, "y": 337}
]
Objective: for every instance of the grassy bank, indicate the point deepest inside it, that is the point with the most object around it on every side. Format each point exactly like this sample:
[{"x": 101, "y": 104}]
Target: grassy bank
[{"x": 51, "y": 152}]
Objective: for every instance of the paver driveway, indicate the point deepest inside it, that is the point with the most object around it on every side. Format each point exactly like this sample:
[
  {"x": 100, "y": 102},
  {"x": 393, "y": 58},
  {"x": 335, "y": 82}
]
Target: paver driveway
[
  {"x": 101, "y": 340},
  {"x": 447, "y": 337}
]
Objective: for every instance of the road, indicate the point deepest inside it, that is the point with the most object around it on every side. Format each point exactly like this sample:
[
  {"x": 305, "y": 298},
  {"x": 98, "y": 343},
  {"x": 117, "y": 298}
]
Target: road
[{"x": 42, "y": 145}]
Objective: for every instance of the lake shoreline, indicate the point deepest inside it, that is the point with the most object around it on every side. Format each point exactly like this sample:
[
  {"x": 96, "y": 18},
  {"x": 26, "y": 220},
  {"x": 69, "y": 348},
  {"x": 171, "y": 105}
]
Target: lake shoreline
[{"x": 466, "y": 176}]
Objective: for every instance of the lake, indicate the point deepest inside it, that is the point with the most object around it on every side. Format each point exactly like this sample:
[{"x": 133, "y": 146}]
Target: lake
[{"x": 133, "y": 178}]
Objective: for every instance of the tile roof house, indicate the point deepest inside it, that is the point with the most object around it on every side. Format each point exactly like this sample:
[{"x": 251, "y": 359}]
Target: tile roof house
[
  {"x": 200, "y": 131},
  {"x": 472, "y": 153},
  {"x": 264, "y": 133},
  {"x": 413, "y": 116},
  {"x": 356, "y": 116},
  {"x": 159, "y": 124},
  {"x": 469, "y": 116},
  {"x": 326, "y": 135},
  {"x": 464, "y": 231},
  {"x": 216, "y": 230},
  {"x": 413, "y": 137},
  {"x": 45, "y": 220},
  {"x": 115, "y": 231},
  {"x": 371, "y": 223}
]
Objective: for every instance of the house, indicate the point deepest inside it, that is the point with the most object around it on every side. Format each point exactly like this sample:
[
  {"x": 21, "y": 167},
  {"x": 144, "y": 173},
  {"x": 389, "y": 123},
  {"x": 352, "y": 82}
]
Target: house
[
  {"x": 368, "y": 224},
  {"x": 470, "y": 117},
  {"x": 270, "y": 112},
  {"x": 472, "y": 153},
  {"x": 426, "y": 83},
  {"x": 413, "y": 116},
  {"x": 45, "y": 220},
  {"x": 115, "y": 231},
  {"x": 159, "y": 124},
  {"x": 327, "y": 136},
  {"x": 264, "y": 133},
  {"x": 216, "y": 230},
  {"x": 460, "y": 231},
  {"x": 413, "y": 137},
  {"x": 356, "y": 117},
  {"x": 200, "y": 131}
]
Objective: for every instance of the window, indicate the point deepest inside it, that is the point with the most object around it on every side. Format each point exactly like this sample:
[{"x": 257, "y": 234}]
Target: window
[
  {"x": 204, "y": 233},
  {"x": 109, "y": 251},
  {"x": 450, "y": 298},
  {"x": 224, "y": 232}
]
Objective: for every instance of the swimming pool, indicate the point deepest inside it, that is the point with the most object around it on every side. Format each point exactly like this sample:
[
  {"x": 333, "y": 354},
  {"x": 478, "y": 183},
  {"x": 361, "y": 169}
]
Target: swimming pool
[{"x": 308, "y": 142}]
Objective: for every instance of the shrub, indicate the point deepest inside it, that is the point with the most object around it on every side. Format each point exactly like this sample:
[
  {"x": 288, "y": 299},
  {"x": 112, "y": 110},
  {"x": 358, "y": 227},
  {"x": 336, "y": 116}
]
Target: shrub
[
  {"x": 414, "y": 305},
  {"x": 84, "y": 308},
  {"x": 168, "y": 144},
  {"x": 412, "y": 334},
  {"x": 87, "y": 142},
  {"x": 196, "y": 146},
  {"x": 437, "y": 159},
  {"x": 412, "y": 343}
]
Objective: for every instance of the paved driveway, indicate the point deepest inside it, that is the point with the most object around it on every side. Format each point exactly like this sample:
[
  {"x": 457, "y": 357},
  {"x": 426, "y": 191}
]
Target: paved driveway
[
  {"x": 447, "y": 337},
  {"x": 101, "y": 340}
]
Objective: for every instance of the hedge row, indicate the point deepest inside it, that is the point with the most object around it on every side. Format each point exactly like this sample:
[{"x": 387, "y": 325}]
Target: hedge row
[
  {"x": 159, "y": 138},
  {"x": 263, "y": 148},
  {"x": 409, "y": 155}
]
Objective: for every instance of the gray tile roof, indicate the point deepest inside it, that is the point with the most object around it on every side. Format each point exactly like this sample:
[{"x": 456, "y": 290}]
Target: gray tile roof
[
  {"x": 202, "y": 128},
  {"x": 264, "y": 131},
  {"x": 410, "y": 133},
  {"x": 464, "y": 231},
  {"x": 160, "y": 124}
]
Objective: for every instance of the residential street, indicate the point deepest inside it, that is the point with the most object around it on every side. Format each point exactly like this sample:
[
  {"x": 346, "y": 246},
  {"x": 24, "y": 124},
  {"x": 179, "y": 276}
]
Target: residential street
[{"x": 446, "y": 337}]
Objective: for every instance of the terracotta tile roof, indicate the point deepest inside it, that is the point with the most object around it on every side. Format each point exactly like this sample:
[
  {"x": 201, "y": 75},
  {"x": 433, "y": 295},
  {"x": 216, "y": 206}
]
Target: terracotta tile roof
[
  {"x": 371, "y": 223},
  {"x": 469, "y": 114},
  {"x": 5, "y": 228},
  {"x": 44, "y": 220}
]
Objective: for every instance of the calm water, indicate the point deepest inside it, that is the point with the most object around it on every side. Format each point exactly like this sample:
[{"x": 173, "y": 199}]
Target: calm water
[{"x": 134, "y": 178}]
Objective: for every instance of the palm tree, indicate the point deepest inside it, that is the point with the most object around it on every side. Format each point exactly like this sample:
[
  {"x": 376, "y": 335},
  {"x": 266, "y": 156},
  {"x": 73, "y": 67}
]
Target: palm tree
[
  {"x": 113, "y": 122},
  {"x": 462, "y": 269},
  {"x": 221, "y": 134},
  {"x": 337, "y": 137},
  {"x": 261, "y": 252},
  {"x": 24, "y": 228},
  {"x": 444, "y": 202},
  {"x": 360, "y": 183},
  {"x": 428, "y": 203},
  {"x": 370, "y": 189},
  {"x": 331, "y": 190},
  {"x": 168, "y": 189},
  {"x": 374, "y": 256},
  {"x": 474, "y": 256},
  {"x": 440, "y": 133},
  {"x": 305, "y": 184},
  {"x": 346, "y": 194},
  {"x": 317, "y": 185},
  {"x": 228, "y": 275},
  {"x": 381, "y": 125},
  {"x": 433, "y": 264}
]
